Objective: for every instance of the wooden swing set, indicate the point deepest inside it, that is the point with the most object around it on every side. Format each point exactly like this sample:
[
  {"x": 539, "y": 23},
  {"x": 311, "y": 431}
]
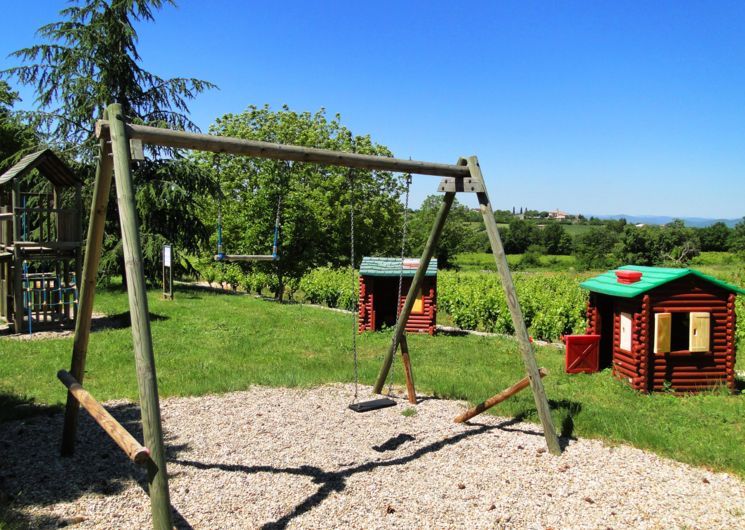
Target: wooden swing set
[{"x": 114, "y": 136}]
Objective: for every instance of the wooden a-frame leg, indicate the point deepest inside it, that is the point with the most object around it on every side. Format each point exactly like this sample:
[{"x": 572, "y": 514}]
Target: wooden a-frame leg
[
  {"x": 410, "y": 391},
  {"x": 101, "y": 190},
  {"x": 416, "y": 284},
  {"x": 152, "y": 428},
  {"x": 521, "y": 332}
]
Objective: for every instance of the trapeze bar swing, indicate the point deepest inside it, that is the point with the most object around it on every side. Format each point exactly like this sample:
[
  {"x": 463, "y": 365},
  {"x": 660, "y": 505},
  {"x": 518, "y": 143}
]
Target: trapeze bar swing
[{"x": 221, "y": 256}]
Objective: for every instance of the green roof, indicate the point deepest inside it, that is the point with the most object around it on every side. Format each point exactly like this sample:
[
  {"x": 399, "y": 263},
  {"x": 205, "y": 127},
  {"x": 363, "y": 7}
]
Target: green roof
[
  {"x": 652, "y": 277},
  {"x": 374, "y": 266}
]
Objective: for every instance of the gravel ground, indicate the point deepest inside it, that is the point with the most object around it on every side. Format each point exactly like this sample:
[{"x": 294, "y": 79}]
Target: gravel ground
[{"x": 277, "y": 458}]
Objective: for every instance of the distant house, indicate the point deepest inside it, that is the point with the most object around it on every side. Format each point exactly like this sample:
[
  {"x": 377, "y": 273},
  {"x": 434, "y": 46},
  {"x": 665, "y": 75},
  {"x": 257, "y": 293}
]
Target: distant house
[{"x": 558, "y": 214}]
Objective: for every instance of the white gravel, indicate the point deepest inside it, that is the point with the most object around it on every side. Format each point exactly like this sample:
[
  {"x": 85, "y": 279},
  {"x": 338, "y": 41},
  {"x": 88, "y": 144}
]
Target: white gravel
[{"x": 278, "y": 458}]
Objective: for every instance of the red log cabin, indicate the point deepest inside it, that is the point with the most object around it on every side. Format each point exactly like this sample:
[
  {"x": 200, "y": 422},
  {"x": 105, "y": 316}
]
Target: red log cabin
[
  {"x": 664, "y": 329},
  {"x": 379, "y": 290}
]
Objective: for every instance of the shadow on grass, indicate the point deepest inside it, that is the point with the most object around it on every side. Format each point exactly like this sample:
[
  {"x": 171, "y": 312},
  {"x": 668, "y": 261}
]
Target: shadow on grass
[
  {"x": 34, "y": 475},
  {"x": 14, "y": 407},
  {"x": 121, "y": 321}
]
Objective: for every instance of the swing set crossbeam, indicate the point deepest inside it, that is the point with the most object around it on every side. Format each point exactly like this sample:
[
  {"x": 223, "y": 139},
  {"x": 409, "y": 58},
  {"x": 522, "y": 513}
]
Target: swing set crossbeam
[{"x": 115, "y": 136}]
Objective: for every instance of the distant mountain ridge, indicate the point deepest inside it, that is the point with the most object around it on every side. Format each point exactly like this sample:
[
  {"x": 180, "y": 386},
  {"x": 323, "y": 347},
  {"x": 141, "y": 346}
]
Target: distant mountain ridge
[{"x": 697, "y": 222}]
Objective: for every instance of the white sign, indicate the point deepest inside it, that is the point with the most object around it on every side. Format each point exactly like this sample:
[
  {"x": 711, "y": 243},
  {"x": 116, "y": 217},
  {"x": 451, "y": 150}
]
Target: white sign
[{"x": 167, "y": 255}]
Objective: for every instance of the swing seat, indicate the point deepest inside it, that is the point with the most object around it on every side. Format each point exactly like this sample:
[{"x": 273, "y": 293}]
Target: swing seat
[
  {"x": 373, "y": 404},
  {"x": 248, "y": 257}
]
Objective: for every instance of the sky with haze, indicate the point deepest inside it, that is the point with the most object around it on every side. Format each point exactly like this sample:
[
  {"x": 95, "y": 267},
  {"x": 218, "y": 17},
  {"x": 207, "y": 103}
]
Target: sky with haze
[{"x": 589, "y": 107}]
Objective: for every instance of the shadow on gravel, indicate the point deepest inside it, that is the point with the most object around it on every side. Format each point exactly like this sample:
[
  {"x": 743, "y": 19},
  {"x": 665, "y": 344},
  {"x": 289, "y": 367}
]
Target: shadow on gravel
[
  {"x": 33, "y": 473},
  {"x": 337, "y": 481}
]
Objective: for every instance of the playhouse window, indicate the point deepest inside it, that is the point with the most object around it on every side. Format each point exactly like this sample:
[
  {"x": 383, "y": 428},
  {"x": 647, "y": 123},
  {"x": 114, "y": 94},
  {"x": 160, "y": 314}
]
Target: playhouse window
[
  {"x": 418, "y": 303},
  {"x": 681, "y": 331}
]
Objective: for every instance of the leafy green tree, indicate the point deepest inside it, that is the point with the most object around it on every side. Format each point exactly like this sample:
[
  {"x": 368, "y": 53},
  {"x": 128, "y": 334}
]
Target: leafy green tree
[
  {"x": 737, "y": 238},
  {"x": 594, "y": 249},
  {"x": 313, "y": 201},
  {"x": 556, "y": 240},
  {"x": 458, "y": 234},
  {"x": 715, "y": 237},
  {"x": 638, "y": 245},
  {"x": 677, "y": 243},
  {"x": 88, "y": 60},
  {"x": 520, "y": 235},
  {"x": 16, "y": 138}
]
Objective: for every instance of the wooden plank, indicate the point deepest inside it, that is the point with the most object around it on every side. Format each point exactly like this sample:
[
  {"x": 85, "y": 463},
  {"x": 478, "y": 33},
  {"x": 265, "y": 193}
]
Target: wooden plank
[
  {"x": 96, "y": 223},
  {"x": 410, "y": 391},
  {"x": 134, "y": 450},
  {"x": 297, "y": 153},
  {"x": 416, "y": 284},
  {"x": 246, "y": 257},
  {"x": 138, "y": 309},
  {"x": 521, "y": 332},
  {"x": 498, "y": 398}
]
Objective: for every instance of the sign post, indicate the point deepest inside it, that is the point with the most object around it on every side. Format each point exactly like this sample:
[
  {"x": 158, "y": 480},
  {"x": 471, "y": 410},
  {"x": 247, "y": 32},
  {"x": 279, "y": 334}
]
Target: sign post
[{"x": 167, "y": 273}]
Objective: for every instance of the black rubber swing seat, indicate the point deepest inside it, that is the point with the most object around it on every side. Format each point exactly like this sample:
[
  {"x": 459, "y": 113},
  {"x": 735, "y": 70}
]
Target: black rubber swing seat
[{"x": 373, "y": 404}]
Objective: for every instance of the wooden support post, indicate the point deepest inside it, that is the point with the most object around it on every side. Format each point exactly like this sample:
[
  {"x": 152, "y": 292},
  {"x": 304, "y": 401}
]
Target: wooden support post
[
  {"x": 498, "y": 398},
  {"x": 135, "y": 451},
  {"x": 521, "y": 332},
  {"x": 410, "y": 391},
  {"x": 138, "y": 309},
  {"x": 87, "y": 286},
  {"x": 416, "y": 284},
  {"x": 18, "y": 313}
]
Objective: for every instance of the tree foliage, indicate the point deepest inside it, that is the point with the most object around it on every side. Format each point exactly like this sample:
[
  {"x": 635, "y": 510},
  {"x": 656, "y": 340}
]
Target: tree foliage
[
  {"x": 458, "y": 235},
  {"x": 313, "y": 201},
  {"x": 90, "y": 59},
  {"x": 16, "y": 138}
]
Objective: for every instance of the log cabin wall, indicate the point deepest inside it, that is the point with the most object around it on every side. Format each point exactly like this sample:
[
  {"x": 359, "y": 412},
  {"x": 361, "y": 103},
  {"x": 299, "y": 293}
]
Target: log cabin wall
[
  {"x": 627, "y": 362},
  {"x": 377, "y": 304},
  {"x": 683, "y": 370}
]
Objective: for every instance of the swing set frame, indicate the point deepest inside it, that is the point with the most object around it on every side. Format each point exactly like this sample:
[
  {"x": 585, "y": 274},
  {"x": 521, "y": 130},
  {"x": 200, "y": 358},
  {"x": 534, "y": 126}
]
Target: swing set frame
[{"x": 115, "y": 135}]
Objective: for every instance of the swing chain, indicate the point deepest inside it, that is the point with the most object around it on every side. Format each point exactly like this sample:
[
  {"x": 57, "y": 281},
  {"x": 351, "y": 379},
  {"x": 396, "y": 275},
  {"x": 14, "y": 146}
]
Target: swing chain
[
  {"x": 350, "y": 177},
  {"x": 400, "y": 277}
]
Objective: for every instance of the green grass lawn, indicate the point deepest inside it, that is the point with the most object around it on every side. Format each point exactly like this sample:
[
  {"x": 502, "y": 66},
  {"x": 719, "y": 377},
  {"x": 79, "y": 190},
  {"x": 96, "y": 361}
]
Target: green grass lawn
[{"x": 212, "y": 343}]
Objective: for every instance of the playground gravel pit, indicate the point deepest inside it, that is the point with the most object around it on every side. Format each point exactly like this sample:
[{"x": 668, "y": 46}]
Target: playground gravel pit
[{"x": 299, "y": 458}]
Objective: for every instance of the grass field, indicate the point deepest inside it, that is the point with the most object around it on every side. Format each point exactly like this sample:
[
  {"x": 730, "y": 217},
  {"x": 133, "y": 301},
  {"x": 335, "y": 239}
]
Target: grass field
[
  {"x": 482, "y": 261},
  {"x": 212, "y": 343}
]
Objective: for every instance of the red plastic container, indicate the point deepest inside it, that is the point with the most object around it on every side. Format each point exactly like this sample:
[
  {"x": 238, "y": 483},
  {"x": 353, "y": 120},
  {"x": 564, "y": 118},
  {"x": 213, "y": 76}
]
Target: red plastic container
[
  {"x": 582, "y": 354},
  {"x": 628, "y": 276}
]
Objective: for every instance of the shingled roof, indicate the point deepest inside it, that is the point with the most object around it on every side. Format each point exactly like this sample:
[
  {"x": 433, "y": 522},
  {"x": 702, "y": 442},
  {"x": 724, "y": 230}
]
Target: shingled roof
[
  {"x": 375, "y": 266},
  {"x": 607, "y": 283},
  {"x": 48, "y": 164}
]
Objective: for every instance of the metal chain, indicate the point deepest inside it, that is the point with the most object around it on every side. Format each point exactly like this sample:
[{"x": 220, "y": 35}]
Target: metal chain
[
  {"x": 400, "y": 279},
  {"x": 355, "y": 311}
]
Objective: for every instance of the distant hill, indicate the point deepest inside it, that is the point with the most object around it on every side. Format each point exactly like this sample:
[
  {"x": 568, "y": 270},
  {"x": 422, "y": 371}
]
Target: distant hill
[{"x": 698, "y": 222}]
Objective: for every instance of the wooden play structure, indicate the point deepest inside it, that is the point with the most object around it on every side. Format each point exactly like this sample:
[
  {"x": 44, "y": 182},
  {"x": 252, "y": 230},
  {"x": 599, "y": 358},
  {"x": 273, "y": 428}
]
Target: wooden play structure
[
  {"x": 115, "y": 136},
  {"x": 40, "y": 243},
  {"x": 664, "y": 329},
  {"x": 378, "y": 307}
]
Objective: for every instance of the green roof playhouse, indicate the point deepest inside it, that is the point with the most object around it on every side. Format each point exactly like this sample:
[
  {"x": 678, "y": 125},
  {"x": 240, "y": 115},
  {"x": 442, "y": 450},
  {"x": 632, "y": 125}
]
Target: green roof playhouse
[{"x": 663, "y": 328}]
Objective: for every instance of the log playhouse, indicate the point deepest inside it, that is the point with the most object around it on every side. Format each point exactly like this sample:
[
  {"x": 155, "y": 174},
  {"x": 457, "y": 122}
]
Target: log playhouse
[{"x": 664, "y": 329}]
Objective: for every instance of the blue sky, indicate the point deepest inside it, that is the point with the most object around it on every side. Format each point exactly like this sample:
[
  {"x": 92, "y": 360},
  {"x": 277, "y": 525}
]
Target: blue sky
[{"x": 590, "y": 107}]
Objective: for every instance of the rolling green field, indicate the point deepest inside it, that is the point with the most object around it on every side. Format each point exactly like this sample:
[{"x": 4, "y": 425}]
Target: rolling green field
[
  {"x": 212, "y": 343},
  {"x": 478, "y": 262}
]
